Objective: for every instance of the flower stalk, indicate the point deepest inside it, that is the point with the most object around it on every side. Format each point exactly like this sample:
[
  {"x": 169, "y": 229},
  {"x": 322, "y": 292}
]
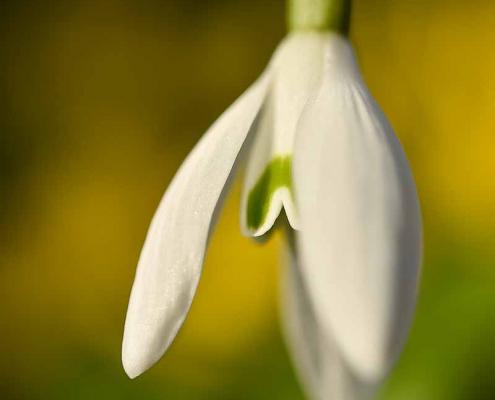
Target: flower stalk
[{"x": 319, "y": 15}]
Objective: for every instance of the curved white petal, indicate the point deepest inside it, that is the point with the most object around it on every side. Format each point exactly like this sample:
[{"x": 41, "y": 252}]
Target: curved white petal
[
  {"x": 323, "y": 372},
  {"x": 297, "y": 69},
  {"x": 360, "y": 220},
  {"x": 170, "y": 263}
]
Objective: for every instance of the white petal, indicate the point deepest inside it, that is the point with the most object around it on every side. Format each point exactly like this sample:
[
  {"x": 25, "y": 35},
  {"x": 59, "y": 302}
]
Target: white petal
[
  {"x": 323, "y": 372},
  {"x": 170, "y": 263},
  {"x": 360, "y": 220},
  {"x": 297, "y": 69}
]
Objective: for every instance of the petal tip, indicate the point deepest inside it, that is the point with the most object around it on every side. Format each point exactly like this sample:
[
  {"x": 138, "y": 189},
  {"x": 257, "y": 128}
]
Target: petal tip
[
  {"x": 134, "y": 366},
  {"x": 137, "y": 357},
  {"x": 131, "y": 372}
]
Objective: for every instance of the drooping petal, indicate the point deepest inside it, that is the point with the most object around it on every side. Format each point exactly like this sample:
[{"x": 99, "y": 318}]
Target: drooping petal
[
  {"x": 297, "y": 68},
  {"x": 170, "y": 263},
  {"x": 323, "y": 372},
  {"x": 360, "y": 219}
]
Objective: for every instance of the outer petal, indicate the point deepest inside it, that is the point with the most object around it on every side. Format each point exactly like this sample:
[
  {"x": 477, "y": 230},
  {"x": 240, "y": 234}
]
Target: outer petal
[
  {"x": 170, "y": 263},
  {"x": 322, "y": 370},
  {"x": 360, "y": 218}
]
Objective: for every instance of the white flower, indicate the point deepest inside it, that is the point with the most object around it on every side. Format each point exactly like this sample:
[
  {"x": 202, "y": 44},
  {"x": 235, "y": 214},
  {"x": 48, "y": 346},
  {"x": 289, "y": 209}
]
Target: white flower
[{"x": 321, "y": 150}]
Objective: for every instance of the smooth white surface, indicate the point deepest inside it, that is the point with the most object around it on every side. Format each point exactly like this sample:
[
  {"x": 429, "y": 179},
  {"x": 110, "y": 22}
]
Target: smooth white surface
[
  {"x": 171, "y": 260},
  {"x": 319, "y": 365},
  {"x": 360, "y": 234}
]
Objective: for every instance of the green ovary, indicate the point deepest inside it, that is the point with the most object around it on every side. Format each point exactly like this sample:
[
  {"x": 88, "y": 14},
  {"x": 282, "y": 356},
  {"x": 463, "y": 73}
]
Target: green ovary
[{"x": 277, "y": 174}]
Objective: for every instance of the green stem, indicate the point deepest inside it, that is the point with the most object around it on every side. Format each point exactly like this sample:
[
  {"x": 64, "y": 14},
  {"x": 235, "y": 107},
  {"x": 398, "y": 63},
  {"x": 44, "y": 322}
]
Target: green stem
[{"x": 319, "y": 15}]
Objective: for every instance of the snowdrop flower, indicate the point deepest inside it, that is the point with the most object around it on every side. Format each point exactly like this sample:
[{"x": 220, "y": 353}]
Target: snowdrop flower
[{"x": 322, "y": 155}]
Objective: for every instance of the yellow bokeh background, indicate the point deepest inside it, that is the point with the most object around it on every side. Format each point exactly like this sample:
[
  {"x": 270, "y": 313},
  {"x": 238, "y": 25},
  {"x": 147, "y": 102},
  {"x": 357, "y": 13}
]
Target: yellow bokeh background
[{"x": 102, "y": 100}]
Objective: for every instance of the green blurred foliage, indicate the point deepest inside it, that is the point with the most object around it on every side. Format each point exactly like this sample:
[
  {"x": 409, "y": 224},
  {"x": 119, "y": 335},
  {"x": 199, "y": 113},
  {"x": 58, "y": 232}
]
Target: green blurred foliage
[{"x": 101, "y": 101}]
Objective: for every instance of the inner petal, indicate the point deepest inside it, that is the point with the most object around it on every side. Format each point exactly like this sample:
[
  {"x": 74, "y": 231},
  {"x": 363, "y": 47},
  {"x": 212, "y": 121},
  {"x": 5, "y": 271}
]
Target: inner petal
[
  {"x": 297, "y": 66},
  {"x": 272, "y": 191}
]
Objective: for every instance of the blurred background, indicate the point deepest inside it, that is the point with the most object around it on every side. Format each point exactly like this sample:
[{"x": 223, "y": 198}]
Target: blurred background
[{"x": 100, "y": 102}]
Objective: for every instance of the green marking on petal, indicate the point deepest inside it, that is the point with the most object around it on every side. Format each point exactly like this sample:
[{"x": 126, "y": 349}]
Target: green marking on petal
[{"x": 277, "y": 174}]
